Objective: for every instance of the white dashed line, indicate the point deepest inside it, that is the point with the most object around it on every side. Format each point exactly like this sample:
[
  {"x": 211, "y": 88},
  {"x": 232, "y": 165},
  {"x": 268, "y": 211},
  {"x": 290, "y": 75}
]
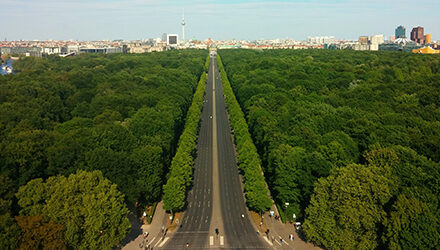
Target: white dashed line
[
  {"x": 268, "y": 241},
  {"x": 163, "y": 242}
]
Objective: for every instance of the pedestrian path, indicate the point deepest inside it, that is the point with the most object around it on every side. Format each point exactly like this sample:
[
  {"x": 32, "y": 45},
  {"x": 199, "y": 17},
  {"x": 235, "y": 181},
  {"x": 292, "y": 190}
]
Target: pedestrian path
[
  {"x": 278, "y": 235},
  {"x": 152, "y": 235}
]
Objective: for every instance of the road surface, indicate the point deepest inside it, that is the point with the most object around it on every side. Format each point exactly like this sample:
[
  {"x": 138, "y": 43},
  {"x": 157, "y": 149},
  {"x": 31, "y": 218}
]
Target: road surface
[{"x": 216, "y": 200}]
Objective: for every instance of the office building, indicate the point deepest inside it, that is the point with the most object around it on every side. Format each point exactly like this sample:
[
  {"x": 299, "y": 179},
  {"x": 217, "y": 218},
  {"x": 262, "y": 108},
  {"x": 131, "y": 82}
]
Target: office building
[
  {"x": 363, "y": 40},
  {"x": 392, "y": 38},
  {"x": 164, "y": 37},
  {"x": 417, "y": 35},
  {"x": 362, "y": 44},
  {"x": 377, "y": 39},
  {"x": 400, "y": 32},
  {"x": 172, "y": 39}
]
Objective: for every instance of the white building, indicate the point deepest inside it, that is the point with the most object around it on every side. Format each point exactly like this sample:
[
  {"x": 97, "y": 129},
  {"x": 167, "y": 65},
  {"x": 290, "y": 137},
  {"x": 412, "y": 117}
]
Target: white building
[
  {"x": 51, "y": 50},
  {"x": 73, "y": 49},
  {"x": 377, "y": 39},
  {"x": 321, "y": 40}
]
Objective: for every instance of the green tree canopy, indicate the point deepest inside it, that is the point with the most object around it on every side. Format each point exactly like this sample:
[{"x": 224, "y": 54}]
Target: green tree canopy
[
  {"x": 347, "y": 207},
  {"x": 89, "y": 206},
  {"x": 38, "y": 234}
]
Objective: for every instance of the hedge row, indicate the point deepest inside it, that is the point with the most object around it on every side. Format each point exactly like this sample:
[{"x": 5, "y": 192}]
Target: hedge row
[
  {"x": 255, "y": 188},
  {"x": 181, "y": 170}
]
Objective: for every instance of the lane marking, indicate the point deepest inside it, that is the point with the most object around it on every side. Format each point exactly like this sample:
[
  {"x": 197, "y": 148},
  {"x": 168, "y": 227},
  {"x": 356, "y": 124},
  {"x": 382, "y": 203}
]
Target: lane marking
[
  {"x": 163, "y": 242},
  {"x": 192, "y": 232},
  {"x": 268, "y": 241},
  {"x": 211, "y": 240},
  {"x": 222, "y": 241},
  {"x": 158, "y": 242}
]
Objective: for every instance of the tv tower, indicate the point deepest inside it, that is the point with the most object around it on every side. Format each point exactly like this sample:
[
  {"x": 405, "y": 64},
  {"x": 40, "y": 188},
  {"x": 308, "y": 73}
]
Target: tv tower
[{"x": 183, "y": 25}]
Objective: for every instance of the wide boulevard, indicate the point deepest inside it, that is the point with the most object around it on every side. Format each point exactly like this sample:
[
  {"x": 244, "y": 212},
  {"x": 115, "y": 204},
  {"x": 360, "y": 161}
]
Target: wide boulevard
[{"x": 216, "y": 215}]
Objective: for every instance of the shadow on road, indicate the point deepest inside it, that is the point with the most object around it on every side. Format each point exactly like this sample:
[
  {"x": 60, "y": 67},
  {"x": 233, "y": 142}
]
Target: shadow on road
[{"x": 136, "y": 228}]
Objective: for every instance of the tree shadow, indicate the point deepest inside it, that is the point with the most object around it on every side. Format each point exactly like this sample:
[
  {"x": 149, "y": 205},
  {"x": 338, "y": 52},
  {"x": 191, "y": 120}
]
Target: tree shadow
[{"x": 135, "y": 230}]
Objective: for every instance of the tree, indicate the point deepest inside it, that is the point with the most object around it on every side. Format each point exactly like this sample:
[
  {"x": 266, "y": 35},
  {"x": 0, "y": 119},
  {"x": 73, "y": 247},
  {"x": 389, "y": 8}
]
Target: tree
[
  {"x": 88, "y": 205},
  {"x": 411, "y": 225},
  {"x": 340, "y": 110},
  {"x": 347, "y": 207},
  {"x": 149, "y": 164},
  {"x": 257, "y": 197},
  {"x": 117, "y": 166},
  {"x": 287, "y": 162},
  {"x": 9, "y": 230},
  {"x": 174, "y": 194},
  {"x": 38, "y": 234},
  {"x": 58, "y": 114},
  {"x": 24, "y": 152},
  {"x": 7, "y": 190}
]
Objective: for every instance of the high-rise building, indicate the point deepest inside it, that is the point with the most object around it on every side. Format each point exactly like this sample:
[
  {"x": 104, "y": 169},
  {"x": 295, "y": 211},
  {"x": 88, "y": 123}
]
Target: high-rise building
[
  {"x": 400, "y": 32},
  {"x": 428, "y": 38},
  {"x": 417, "y": 35},
  {"x": 164, "y": 37},
  {"x": 392, "y": 38},
  {"x": 172, "y": 39}
]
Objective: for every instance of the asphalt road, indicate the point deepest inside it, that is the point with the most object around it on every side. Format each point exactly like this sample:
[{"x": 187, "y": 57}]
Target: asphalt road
[
  {"x": 194, "y": 228},
  {"x": 216, "y": 180},
  {"x": 239, "y": 232}
]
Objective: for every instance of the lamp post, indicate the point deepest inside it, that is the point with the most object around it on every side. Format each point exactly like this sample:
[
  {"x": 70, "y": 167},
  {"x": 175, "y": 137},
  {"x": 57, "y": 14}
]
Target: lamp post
[{"x": 285, "y": 211}]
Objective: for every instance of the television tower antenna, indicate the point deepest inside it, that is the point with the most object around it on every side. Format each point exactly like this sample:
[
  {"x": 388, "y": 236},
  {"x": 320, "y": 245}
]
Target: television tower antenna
[{"x": 183, "y": 25}]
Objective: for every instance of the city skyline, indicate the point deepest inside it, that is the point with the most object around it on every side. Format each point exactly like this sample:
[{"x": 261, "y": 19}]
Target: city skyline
[{"x": 219, "y": 20}]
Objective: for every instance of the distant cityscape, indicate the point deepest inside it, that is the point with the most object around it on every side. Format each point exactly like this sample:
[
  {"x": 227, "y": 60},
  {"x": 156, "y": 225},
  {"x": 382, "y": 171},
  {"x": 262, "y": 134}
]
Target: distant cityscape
[{"x": 418, "y": 42}]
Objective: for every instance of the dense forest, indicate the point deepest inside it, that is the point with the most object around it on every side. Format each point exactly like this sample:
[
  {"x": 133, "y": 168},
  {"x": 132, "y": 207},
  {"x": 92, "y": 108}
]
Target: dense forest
[
  {"x": 91, "y": 127},
  {"x": 351, "y": 140}
]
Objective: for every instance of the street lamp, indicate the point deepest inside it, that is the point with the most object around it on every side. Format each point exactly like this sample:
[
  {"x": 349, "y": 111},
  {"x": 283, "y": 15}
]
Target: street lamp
[{"x": 285, "y": 211}]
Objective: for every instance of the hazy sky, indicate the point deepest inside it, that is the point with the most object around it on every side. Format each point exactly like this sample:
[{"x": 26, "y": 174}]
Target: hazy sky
[{"x": 217, "y": 19}]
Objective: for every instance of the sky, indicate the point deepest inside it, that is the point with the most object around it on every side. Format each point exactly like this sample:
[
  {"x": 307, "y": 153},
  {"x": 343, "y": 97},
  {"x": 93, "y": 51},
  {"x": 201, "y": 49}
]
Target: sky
[{"x": 216, "y": 19}]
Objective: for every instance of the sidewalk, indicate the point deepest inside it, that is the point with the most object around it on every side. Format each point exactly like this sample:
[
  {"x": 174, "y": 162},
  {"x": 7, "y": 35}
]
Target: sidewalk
[
  {"x": 155, "y": 235},
  {"x": 277, "y": 229}
]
